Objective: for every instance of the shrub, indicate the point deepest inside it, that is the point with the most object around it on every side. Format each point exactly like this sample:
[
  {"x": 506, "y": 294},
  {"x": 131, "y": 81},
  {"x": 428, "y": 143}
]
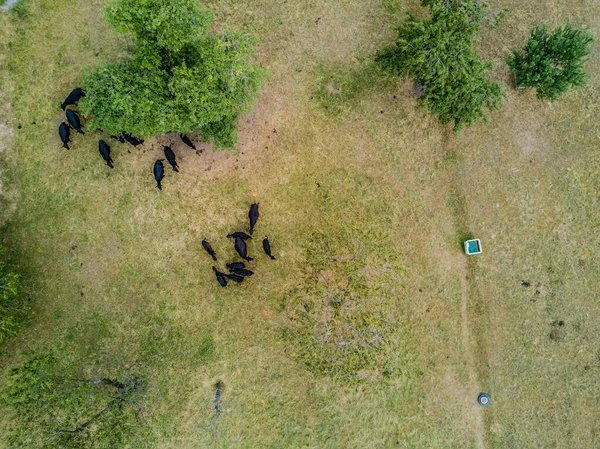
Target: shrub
[
  {"x": 180, "y": 77},
  {"x": 14, "y": 307},
  {"x": 552, "y": 63},
  {"x": 437, "y": 53}
]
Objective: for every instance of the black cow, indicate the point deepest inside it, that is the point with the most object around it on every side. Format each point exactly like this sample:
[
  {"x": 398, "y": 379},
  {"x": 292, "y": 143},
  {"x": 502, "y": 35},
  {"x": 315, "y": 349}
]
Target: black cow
[
  {"x": 105, "y": 152},
  {"x": 132, "y": 140},
  {"x": 234, "y": 278},
  {"x": 63, "y": 132},
  {"x": 241, "y": 235},
  {"x": 253, "y": 216},
  {"x": 171, "y": 158},
  {"x": 209, "y": 249},
  {"x": 241, "y": 271},
  {"x": 74, "y": 121},
  {"x": 119, "y": 138},
  {"x": 267, "y": 248},
  {"x": 235, "y": 265},
  {"x": 187, "y": 141},
  {"x": 220, "y": 277},
  {"x": 240, "y": 247},
  {"x": 159, "y": 173},
  {"x": 73, "y": 97}
]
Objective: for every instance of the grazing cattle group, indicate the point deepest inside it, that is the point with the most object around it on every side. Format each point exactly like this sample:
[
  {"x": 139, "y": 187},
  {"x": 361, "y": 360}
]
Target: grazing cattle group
[
  {"x": 73, "y": 122},
  {"x": 237, "y": 270}
]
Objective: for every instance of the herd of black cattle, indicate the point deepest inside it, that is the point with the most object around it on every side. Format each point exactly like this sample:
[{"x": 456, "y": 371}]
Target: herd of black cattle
[
  {"x": 104, "y": 148},
  {"x": 237, "y": 270}
]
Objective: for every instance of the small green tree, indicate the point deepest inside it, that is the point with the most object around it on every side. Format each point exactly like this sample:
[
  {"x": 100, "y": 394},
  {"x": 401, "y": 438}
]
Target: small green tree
[
  {"x": 180, "y": 76},
  {"x": 14, "y": 307},
  {"x": 551, "y": 63},
  {"x": 438, "y": 54}
]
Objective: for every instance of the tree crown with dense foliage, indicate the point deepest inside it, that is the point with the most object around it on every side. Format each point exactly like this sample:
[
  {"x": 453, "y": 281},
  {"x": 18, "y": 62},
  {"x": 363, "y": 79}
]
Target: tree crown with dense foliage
[
  {"x": 552, "y": 63},
  {"x": 180, "y": 76},
  {"x": 438, "y": 54}
]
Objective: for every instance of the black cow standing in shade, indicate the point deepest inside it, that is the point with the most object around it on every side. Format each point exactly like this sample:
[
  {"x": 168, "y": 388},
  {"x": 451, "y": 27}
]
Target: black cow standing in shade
[
  {"x": 170, "y": 155},
  {"x": 187, "y": 141},
  {"x": 63, "y": 132},
  {"x": 73, "y": 97},
  {"x": 132, "y": 140},
  {"x": 159, "y": 173},
  {"x": 74, "y": 121},
  {"x": 105, "y": 152}
]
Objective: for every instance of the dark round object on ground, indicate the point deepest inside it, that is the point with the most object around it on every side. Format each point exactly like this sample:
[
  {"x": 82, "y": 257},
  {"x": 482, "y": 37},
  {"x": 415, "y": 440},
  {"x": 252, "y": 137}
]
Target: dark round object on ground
[{"x": 483, "y": 399}]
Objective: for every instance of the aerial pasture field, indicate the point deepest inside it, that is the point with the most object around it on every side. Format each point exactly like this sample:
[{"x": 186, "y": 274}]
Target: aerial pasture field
[{"x": 366, "y": 201}]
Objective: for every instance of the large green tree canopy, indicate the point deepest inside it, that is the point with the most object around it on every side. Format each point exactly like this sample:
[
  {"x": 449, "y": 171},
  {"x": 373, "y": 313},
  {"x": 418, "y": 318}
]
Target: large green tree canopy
[
  {"x": 438, "y": 54},
  {"x": 179, "y": 77}
]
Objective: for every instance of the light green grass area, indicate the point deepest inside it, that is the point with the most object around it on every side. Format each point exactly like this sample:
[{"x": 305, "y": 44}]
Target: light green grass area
[{"x": 366, "y": 201}]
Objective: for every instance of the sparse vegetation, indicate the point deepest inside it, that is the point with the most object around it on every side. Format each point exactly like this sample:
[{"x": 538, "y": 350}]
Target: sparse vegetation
[
  {"x": 180, "y": 76},
  {"x": 552, "y": 63},
  {"x": 344, "y": 320},
  {"x": 14, "y": 305}
]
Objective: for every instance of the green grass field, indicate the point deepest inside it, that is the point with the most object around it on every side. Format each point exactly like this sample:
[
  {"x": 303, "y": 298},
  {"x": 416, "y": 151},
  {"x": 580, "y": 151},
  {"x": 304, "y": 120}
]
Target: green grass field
[{"x": 363, "y": 196}]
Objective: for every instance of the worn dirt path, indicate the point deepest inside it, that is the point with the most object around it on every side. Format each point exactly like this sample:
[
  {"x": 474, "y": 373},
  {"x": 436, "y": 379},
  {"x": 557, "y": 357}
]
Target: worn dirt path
[{"x": 476, "y": 411}]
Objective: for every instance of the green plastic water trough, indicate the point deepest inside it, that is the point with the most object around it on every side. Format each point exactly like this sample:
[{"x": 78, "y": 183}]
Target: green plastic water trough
[{"x": 472, "y": 247}]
